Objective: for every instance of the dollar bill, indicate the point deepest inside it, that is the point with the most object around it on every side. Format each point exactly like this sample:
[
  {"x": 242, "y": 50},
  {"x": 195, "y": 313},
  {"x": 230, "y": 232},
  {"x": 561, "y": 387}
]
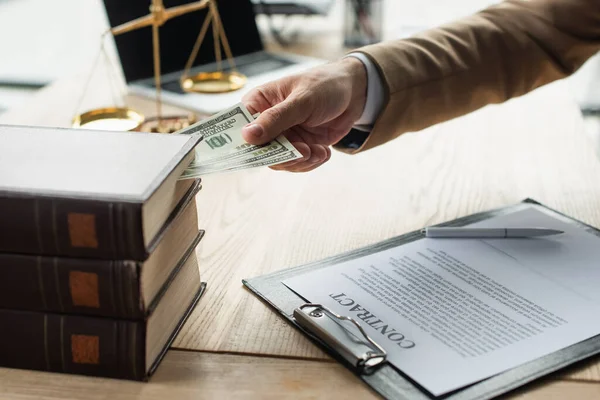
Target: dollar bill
[
  {"x": 245, "y": 151},
  {"x": 267, "y": 155},
  {"x": 224, "y": 149},
  {"x": 249, "y": 153},
  {"x": 202, "y": 171},
  {"x": 222, "y": 134}
]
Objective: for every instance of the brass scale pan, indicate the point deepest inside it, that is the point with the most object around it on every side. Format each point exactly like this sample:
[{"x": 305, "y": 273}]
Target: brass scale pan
[{"x": 127, "y": 119}]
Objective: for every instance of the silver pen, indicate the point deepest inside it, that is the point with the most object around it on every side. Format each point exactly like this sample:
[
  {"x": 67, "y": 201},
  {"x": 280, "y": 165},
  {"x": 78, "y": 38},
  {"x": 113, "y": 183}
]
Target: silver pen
[{"x": 460, "y": 232}]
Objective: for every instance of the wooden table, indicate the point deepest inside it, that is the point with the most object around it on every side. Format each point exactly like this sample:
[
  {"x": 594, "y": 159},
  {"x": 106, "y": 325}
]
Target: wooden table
[{"x": 261, "y": 221}]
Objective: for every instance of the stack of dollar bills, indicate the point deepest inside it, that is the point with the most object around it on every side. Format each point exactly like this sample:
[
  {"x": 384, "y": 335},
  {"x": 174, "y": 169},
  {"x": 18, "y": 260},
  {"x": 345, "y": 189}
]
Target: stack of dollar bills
[{"x": 223, "y": 149}]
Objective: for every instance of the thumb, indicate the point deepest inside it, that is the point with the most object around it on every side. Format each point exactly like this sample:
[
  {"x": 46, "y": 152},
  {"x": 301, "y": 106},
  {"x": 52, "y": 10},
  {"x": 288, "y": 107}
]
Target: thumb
[{"x": 273, "y": 121}]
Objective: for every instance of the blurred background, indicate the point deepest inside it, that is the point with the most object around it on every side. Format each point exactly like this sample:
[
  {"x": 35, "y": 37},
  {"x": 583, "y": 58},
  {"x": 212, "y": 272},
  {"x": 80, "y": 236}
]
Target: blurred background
[{"x": 42, "y": 41}]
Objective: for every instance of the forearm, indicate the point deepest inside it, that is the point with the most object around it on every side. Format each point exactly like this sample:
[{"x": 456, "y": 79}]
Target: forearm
[{"x": 499, "y": 53}]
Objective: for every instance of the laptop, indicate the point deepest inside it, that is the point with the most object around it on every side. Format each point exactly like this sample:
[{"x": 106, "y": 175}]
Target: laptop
[
  {"x": 297, "y": 7},
  {"x": 177, "y": 38}
]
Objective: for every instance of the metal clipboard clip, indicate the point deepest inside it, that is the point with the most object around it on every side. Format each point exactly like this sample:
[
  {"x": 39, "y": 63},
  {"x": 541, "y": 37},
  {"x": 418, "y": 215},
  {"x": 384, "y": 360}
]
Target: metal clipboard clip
[{"x": 363, "y": 353}]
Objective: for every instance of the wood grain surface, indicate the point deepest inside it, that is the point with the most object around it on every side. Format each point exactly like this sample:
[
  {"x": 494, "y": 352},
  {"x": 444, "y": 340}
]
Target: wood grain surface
[
  {"x": 198, "y": 375},
  {"x": 586, "y": 371},
  {"x": 556, "y": 390},
  {"x": 195, "y": 375}
]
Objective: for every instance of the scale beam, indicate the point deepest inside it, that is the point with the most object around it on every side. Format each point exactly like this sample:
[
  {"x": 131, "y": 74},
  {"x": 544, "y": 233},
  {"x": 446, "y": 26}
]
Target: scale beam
[
  {"x": 186, "y": 8},
  {"x": 158, "y": 16},
  {"x": 132, "y": 25}
]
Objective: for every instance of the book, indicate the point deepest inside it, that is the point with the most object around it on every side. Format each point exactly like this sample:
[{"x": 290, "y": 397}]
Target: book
[
  {"x": 89, "y": 194},
  {"x": 98, "y": 346},
  {"x": 111, "y": 288}
]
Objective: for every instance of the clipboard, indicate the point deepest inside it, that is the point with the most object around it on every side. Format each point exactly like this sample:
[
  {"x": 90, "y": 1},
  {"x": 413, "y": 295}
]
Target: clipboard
[{"x": 347, "y": 343}]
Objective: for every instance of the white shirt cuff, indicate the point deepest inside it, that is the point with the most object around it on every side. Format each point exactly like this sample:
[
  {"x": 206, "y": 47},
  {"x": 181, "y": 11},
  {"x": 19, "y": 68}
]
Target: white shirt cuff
[{"x": 374, "y": 101}]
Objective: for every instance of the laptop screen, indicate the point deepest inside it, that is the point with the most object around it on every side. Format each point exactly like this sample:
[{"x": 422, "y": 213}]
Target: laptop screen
[{"x": 178, "y": 35}]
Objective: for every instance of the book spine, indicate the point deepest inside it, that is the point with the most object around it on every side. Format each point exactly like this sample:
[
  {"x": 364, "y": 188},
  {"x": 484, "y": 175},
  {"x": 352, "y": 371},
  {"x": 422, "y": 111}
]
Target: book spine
[
  {"x": 71, "y": 344},
  {"x": 65, "y": 227},
  {"x": 71, "y": 285}
]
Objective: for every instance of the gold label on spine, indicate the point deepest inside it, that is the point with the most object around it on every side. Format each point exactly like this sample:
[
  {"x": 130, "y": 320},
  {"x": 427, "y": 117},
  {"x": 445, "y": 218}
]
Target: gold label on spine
[
  {"x": 84, "y": 289},
  {"x": 82, "y": 230},
  {"x": 85, "y": 349}
]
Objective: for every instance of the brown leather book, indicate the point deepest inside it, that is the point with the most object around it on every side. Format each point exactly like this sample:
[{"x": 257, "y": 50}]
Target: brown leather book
[
  {"x": 110, "y": 288},
  {"x": 98, "y": 346},
  {"x": 89, "y": 194}
]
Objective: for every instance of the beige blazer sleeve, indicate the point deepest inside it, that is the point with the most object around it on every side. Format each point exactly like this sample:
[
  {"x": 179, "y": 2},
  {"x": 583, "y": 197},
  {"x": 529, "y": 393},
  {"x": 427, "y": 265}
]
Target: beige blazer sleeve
[{"x": 499, "y": 53}]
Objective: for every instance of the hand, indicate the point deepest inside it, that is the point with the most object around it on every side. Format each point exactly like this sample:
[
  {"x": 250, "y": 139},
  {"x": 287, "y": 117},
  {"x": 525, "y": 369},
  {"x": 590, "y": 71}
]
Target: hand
[{"x": 314, "y": 110}]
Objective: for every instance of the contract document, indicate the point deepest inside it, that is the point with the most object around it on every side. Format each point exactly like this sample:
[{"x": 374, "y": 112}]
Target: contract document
[{"x": 452, "y": 312}]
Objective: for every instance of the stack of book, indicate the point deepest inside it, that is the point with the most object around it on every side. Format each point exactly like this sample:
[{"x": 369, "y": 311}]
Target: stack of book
[{"x": 98, "y": 239}]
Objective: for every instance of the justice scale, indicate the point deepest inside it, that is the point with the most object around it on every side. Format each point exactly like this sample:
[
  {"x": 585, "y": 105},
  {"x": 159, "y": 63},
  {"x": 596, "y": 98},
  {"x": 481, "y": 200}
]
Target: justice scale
[{"x": 123, "y": 118}]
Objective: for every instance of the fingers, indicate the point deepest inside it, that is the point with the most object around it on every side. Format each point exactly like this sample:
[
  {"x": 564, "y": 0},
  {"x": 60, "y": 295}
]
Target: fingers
[
  {"x": 256, "y": 100},
  {"x": 282, "y": 110},
  {"x": 303, "y": 148},
  {"x": 310, "y": 166},
  {"x": 315, "y": 155},
  {"x": 274, "y": 120}
]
